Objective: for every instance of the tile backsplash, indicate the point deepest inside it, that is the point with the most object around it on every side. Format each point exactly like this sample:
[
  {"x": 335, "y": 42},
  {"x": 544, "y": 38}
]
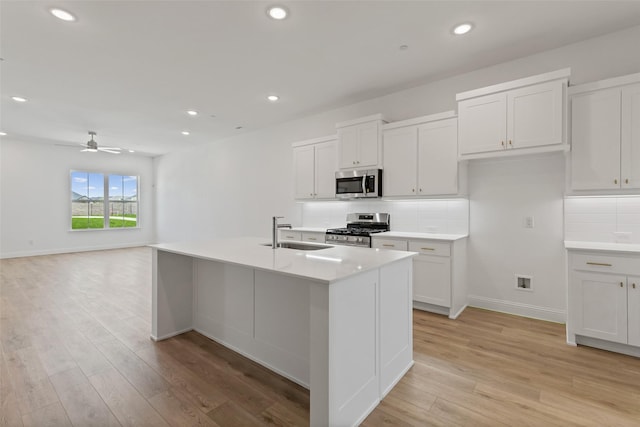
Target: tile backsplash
[
  {"x": 602, "y": 219},
  {"x": 449, "y": 216}
]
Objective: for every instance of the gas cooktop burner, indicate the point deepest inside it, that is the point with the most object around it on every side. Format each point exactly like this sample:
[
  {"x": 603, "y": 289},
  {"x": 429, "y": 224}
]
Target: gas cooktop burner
[{"x": 358, "y": 230}]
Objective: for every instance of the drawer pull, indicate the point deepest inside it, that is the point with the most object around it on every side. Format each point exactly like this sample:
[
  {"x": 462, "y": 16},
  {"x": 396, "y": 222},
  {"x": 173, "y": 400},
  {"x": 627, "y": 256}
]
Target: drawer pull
[
  {"x": 312, "y": 238},
  {"x": 427, "y": 249},
  {"x": 633, "y": 285},
  {"x": 602, "y": 264},
  {"x": 388, "y": 245},
  {"x": 621, "y": 284}
]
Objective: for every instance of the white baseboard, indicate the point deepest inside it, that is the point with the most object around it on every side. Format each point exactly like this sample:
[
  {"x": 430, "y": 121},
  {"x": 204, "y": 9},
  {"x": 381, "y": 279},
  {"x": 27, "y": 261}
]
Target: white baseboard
[
  {"x": 519, "y": 309},
  {"x": 20, "y": 254}
]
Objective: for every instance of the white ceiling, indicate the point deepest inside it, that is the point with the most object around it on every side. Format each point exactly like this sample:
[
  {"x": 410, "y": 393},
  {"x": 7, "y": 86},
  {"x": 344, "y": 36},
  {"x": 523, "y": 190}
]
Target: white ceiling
[{"x": 129, "y": 70}]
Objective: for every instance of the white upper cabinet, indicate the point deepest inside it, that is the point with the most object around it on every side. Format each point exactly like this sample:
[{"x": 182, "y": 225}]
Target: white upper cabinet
[
  {"x": 360, "y": 143},
  {"x": 605, "y": 134},
  {"x": 420, "y": 156},
  {"x": 315, "y": 165},
  {"x": 518, "y": 117},
  {"x": 483, "y": 124},
  {"x": 630, "y": 146}
]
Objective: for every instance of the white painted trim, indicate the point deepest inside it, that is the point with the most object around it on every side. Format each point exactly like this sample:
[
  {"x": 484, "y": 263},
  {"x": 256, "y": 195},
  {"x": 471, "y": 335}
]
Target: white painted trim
[
  {"x": 454, "y": 316},
  {"x": 605, "y": 84},
  {"x": 527, "y": 81},
  {"x": 420, "y": 120},
  {"x": 519, "y": 309},
  {"x": 431, "y": 308},
  {"x": 318, "y": 140},
  {"x": 371, "y": 118},
  {"x": 511, "y": 152},
  {"x": 171, "y": 335},
  {"x": 20, "y": 254},
  {"x": 629, "y": 350}
]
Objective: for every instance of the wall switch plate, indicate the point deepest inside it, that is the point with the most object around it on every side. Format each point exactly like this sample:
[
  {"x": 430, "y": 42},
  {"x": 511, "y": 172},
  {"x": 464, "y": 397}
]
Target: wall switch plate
[
  {"x": 622, "y": 236},
  {"x": 528, "y": 222}
]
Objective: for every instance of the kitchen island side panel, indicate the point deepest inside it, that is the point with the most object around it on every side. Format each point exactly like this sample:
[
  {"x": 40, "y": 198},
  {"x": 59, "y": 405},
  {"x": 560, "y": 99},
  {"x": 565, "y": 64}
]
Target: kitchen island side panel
[{"x": 172, "y": 294}]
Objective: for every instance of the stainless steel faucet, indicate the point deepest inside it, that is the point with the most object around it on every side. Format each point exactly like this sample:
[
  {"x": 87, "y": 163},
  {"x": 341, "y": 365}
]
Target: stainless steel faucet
[{"x": 274, "y": 231}]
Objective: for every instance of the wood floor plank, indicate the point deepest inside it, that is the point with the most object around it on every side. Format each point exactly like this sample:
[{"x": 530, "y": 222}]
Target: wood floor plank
[
  {"x": 129, "y": 407},
  {"x": 50, "y": 416},
  {"x": 134, "y": 369},
  {"x": 85, "y": 407},
  {"x": 230, "y": 414},
  {"x": 203, "y": 394},
  {"x": 179, "y": 411}
]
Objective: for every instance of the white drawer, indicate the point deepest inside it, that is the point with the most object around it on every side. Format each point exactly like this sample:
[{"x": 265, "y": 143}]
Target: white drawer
[
  {"x": 606, "y": 263},
  {"x": 398, "y": 245},
  {"x": 430, "y": 247},
  {"x": 313, "y": 237},
  {"x": 290, "y": 235}
]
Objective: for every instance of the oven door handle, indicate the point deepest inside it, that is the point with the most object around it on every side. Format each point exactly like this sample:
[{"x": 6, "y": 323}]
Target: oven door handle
[{"x": 364, "y": 184}]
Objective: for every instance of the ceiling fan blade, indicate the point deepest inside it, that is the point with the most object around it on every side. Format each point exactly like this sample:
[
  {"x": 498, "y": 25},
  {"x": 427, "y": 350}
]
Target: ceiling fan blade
[
  {"x": 111, "y": 148},
  {"x": 106, "y": 150}
]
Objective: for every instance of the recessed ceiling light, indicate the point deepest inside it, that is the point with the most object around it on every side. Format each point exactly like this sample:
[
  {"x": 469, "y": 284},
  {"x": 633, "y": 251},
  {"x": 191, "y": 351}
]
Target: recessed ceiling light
[
  {"x": 3, "y": 134},
  {"x": 277, "y": 12},
  {"x": 19, "y": 99},
  {"x": 462, "y": 28},
  {"x": 273, "y": 98},
  {"x": 132, "y": 151},
  {"x": 192, "y": 112},
  {"x": 185, "y": 132},
  {"x": 62, "y": 14}
]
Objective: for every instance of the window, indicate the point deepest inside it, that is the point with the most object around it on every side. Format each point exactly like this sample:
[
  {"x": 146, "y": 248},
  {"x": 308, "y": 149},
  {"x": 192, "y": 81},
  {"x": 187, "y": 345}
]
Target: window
[{"x": 101, "y": 201}]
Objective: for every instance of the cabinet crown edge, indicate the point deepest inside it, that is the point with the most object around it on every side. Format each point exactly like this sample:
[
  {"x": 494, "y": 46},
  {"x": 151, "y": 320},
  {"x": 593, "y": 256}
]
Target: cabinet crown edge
[
  {"x": 357, "y": 121},
  {"x": 604, "y": 84},
  {"x": 514, "y": 84},
  {"x": 318, "y": 140}
]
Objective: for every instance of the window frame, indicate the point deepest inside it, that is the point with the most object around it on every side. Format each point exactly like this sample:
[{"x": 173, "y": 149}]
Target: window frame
[{"x": 105, "y": 190}]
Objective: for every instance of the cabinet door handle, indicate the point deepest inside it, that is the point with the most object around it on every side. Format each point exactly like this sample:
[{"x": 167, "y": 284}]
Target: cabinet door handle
[
  {"x": 421, "y": 190},
  {"x": 510, "y": 143},
  {"x": 427, "y": 249},
  {"x": 312, "y": 238},
  {"x": 502, "y": 143},
  {"x": 626, "y": 181},
  {"x": 615, "y": 181},
  {"x": 633, "y": 285},
  {"x": 413, "y": 190},
  {"x": 601, "y": 264},
  {"x": 621, "y": 285}
]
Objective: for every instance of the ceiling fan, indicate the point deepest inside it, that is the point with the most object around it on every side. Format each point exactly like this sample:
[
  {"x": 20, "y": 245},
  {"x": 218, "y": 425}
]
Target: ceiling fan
[{"x": 92, "y": 146}]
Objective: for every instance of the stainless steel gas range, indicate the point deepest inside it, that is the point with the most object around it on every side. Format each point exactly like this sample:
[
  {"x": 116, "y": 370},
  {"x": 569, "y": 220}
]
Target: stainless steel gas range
[{"x": 360, "y": 227}]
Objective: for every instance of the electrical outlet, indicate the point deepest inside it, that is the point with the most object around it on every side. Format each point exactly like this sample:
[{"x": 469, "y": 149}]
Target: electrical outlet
[{"x": 528, "y": 222}]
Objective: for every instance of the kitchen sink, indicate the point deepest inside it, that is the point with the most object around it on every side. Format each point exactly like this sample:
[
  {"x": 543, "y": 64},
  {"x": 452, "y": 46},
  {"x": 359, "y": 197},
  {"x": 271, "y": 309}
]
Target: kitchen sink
[{"x": 300, "y": 246}]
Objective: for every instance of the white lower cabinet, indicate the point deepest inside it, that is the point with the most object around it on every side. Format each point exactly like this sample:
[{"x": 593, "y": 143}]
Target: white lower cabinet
[
  {"x": 604, "y": 299},
  {"x": 439, "y": 272},
  {"x": 290, "y": 235},
  {"x": 313, "y": 236}
]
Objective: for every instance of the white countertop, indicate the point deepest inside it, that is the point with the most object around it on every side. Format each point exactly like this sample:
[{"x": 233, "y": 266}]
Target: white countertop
[
  {"x": 603, "y": 246},
  {"x": 415, "y": 235},
  {"x": 311, "y": 229},
  {"x": 324, "y": 265}
]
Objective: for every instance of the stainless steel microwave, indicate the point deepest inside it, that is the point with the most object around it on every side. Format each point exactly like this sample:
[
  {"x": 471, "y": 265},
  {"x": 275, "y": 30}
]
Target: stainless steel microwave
[{"x": 354, "y": 184}]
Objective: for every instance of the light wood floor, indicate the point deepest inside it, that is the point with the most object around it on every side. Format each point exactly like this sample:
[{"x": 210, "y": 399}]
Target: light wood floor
[{"x": 75, "y": 347}]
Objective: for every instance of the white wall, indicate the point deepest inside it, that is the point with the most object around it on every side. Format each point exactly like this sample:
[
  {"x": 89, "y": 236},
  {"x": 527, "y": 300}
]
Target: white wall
[
  {"x": 502, "y": 193},
  {"x": 36, "y": 200}
]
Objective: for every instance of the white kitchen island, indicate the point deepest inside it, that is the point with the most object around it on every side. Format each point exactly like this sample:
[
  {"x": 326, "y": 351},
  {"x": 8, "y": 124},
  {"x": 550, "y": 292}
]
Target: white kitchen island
[{"x": 337, "y": 321}]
